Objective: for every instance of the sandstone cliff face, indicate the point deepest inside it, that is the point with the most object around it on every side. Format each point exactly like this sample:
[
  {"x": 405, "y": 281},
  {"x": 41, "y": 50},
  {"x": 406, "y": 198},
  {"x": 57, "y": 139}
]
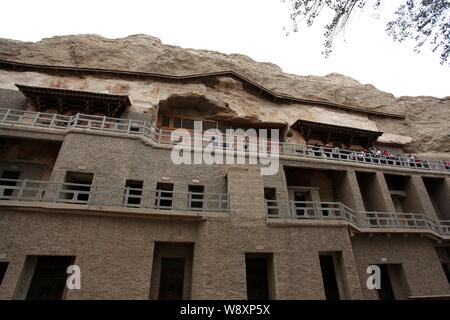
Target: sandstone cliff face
[{"x": 427, "y": 118}]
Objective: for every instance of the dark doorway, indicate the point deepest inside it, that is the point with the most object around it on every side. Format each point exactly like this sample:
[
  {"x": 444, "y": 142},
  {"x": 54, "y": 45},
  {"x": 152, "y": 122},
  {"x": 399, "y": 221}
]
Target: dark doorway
[
  {"x": 446, "y": 268},
  {"x": 171, "y": 279},
  {"x": 385, "y": 292},
  {"x": 3, "y": 267},
  {"x": 8, "y": 178},
  {"x": 329, "y": 277},
  {"x": 49, "y": 278},
  {"x": 172, "y": 271},
  {"x": 257, "y": 274}
]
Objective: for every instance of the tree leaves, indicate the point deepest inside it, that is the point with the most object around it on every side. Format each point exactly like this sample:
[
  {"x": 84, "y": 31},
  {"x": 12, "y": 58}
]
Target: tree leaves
[{"x": 421, "y": 20}]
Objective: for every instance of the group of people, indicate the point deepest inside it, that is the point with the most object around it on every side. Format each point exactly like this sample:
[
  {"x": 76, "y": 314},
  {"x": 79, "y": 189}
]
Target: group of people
[{"x": 373, "y": 155}]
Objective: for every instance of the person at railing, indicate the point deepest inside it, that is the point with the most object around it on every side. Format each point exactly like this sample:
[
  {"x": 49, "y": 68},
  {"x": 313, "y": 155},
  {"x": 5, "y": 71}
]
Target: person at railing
[
  {"x": 378, "y": 153},
  {"x": 344, "y": 152},
  {"x": 410, "y": 159},
  {"x": 327, "y": 150},
  {"x": 446, "y": 164},
  {"x": 371, "y": 155},
  {"x": 65, "y": 121},
  {"x": 397, "y": 161},
  {"x": 361, "y": 155},
  {"x": 335, "y": 152},
  {"x": 316, "y": 150}
]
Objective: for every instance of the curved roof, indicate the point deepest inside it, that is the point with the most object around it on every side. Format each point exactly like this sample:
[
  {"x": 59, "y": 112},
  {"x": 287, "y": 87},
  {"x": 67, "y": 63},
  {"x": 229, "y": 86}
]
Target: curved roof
[{"x": 111, "y": 105}]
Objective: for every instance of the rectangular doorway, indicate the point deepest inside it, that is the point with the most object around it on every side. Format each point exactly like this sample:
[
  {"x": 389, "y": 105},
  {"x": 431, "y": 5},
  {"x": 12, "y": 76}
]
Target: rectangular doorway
[
  {"x": 171, "y": 280},
  {"x": 258, "y": 270},
  {"x": 171, "y": 271},
  {"x": 393, "y": 283},
  {"x": 330, "y": 266},
  {"x": 49, "y": 278},
  {"x": 385, "y": 292}
]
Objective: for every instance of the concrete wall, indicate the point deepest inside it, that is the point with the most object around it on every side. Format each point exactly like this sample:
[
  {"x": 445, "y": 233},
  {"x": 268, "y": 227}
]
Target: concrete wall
[
  {"x": 347, "y": 190},
  {"x": 417, "y": 256},
  {"x": 116, "y": 253},
  {"x": 418, "y": 199},
  {"x": 439, "y": 192}
]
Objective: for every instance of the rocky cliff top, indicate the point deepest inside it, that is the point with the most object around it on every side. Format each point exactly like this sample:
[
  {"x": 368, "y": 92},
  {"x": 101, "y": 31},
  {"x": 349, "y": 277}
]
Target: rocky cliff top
[{"x": 145, "y": 53}]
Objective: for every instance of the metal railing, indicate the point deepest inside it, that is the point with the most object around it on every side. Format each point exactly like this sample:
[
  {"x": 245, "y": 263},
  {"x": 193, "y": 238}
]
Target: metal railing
[
  {"x": 86, "y": 194},
  {"x": 344, "y": 155},
  {"x": 161, "y": 136},
  {"x": 310, "y": 210},
  {"x": 339, "y": 211}
]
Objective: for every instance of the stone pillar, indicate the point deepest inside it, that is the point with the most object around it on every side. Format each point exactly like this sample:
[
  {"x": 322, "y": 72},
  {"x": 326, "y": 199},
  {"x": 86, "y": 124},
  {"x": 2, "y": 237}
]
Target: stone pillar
[
  {"x": 445, "y": 194},
  {"x": 348, "y": 191},
  {"x": 418, "y": 200},
  {"x": 384, "y": 196},
  {"x": 246, "y": 192}
]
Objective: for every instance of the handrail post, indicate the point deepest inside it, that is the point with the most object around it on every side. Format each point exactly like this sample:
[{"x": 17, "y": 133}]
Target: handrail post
[
  {"x": 129, "y": 127},
  {"x": 8, "y": 111},
  {"x": 22, "y": 187},
  {"x": 36, "y": 117},
  {"x": 158, "y": 198},
  {"x": 189, "y": 201},
  {"x": 52, "y": 122},
  {"x": 291, "y": 209},
  {"x": 103, "y": 123},
  {"x": 69, "y": 122},
  {"x": 58, "y": 190},
  {"x": 125, "y": 199},
  {"x": 318, "y": 210},
  {"x": 342, "y": 211},
  {"x": 75, "y": 122},
  {"x": 397, "y": 224},
  {"x": 91, "y": 194}
]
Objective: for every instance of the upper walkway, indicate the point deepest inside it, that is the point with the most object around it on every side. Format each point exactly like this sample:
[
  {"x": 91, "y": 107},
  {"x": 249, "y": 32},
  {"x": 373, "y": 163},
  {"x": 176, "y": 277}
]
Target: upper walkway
[{"x": 21, "y": 118}]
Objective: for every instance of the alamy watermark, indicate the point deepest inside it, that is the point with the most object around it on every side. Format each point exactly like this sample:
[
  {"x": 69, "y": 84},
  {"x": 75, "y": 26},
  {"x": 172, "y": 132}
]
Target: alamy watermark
[
  {"x": 73, "y": 281},
  {"x": 235, "y": 146},
  {"x": 374, "y": 279}
]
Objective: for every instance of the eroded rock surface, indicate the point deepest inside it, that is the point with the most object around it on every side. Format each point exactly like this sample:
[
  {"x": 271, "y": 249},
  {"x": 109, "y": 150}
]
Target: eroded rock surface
[{"x": 427, "y": 118}]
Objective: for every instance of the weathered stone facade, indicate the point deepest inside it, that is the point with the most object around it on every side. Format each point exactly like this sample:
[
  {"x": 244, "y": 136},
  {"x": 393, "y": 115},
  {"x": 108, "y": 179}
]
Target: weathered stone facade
[{"x": 116, "y": 245}]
